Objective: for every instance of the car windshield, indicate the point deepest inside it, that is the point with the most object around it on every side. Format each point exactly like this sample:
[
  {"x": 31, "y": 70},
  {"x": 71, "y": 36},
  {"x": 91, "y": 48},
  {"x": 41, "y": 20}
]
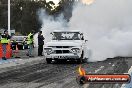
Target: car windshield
[
  {"x": 18, "y": 38},
  {"x": 66, "y": 36}
]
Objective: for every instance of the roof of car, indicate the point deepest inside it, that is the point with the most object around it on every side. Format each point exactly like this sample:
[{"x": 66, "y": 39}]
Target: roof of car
[
  {"x": 19, "y": 36},
  {"x": 66, "y": 31}
]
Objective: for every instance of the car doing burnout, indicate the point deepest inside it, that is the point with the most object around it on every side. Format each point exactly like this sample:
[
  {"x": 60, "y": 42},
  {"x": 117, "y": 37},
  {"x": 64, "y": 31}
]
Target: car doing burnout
[{"x": 67, "y": 45}]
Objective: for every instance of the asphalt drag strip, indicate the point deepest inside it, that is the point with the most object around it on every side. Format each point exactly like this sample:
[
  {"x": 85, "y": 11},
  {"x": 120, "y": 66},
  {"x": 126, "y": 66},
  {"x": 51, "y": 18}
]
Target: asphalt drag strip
[{"x": 61, "y": 75}]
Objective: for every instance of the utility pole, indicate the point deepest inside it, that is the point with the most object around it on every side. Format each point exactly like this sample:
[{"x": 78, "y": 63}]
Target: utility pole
[{"x": 9, "y": 31}]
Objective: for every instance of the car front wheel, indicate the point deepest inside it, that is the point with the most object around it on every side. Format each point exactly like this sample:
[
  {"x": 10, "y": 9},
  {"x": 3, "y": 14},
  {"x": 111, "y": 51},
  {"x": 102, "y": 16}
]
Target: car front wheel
[{"x": 48, "y": 60}]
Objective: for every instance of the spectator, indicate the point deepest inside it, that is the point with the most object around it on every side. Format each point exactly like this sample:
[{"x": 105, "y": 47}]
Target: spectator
[
  {"x": 40, "y": 43},
  {"x": 5, "y": 40},
  {"x": 30, "y": 42}
]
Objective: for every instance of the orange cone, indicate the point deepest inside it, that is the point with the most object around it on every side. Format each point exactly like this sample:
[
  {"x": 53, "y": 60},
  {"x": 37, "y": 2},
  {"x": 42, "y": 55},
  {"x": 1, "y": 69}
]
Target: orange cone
[
  {"x": 16, "y": 52},
  {"x": 8, "y": 51},
  {"x": 1, "y": 51}
]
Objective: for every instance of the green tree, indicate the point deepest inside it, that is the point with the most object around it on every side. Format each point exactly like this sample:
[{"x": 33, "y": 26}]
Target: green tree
[
  {"x": 24, "y": 13},
  {"x": 3, "y": 14}
]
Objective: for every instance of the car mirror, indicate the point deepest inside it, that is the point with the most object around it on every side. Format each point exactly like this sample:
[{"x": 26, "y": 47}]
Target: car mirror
[
  {"x": 51, "y": 33},
  {"x": 86, "y": 40}
]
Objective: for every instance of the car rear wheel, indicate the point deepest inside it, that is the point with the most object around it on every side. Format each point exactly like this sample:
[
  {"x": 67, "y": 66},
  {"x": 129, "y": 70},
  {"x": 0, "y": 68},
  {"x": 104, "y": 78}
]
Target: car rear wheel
[
  {"x": 80, "y": 60},
  {"x": 84, "y": 60},
  {"x": 48, "y": 60}
]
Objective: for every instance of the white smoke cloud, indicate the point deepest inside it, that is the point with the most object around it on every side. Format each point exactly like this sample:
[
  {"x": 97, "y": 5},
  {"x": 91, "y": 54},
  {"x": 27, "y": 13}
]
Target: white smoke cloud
[
  {"x": 49, "y": 24},
  {"x": 107, "y": 24}
]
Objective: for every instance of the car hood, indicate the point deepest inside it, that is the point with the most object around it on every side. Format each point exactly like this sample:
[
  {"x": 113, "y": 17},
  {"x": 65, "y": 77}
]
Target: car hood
[{"x": 64, "y": 43}]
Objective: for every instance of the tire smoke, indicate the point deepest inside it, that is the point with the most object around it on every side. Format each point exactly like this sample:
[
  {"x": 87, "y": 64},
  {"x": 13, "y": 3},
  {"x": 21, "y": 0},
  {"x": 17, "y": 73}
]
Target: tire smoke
[{"x": 107, "y": 24}]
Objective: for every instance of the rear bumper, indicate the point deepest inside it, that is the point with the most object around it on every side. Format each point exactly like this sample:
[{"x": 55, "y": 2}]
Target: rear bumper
[{"x": 63, "y": 56}]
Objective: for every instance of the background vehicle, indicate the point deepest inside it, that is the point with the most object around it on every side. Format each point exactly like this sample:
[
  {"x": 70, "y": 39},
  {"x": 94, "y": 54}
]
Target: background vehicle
[
  {"x": 20, "y": 40},
  {"x": 67, "y": 45}
]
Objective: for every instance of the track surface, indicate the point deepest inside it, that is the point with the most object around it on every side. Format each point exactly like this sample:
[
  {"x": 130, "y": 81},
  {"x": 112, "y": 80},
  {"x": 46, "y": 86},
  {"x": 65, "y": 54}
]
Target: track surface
[{"x": 60, "y": 75}]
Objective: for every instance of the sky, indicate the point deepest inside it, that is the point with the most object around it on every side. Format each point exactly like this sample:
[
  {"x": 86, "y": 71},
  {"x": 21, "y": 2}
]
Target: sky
[
  {"x": 88, "y": 2},
  {"x": 55, "y": 1}
]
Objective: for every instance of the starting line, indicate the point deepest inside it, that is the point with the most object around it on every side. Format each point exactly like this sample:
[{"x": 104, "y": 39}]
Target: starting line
[{"x": 130, "y": 84}]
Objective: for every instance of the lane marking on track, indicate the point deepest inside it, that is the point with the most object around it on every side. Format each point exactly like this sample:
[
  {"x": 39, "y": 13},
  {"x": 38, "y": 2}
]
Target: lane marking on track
[
  {"x": 85, "y": 85},
  {"x": 8, "y": 61},
  {"x": 130, "y": 84},
  {"x": 99, "y": 69}
]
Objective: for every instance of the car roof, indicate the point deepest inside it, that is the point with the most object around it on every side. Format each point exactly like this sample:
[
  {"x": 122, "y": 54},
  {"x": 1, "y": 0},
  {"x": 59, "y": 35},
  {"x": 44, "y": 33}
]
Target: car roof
[
  {"x": 66, "y": 31},
  {"x": 19, "y": 36}
]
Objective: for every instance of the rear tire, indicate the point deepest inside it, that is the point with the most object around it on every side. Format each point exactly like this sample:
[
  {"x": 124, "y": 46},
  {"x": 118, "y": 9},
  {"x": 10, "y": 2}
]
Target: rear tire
[
  {"x": 84, "y": 60},
  {"x": 80, "y": 61},
  {"x": 48, "y": 60}
]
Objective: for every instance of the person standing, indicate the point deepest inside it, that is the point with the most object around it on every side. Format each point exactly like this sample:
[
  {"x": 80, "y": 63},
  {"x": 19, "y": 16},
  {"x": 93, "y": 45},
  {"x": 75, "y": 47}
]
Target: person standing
[
  {"x": 40, "y": 43},
  {"x": 30, "y": 43},
  {"x": 5, "y": 40}
]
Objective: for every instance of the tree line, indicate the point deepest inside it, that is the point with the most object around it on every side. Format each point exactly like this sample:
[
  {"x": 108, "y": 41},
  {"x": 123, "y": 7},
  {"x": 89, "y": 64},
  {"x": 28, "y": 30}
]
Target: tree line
[{"x": 24, "y": 13}]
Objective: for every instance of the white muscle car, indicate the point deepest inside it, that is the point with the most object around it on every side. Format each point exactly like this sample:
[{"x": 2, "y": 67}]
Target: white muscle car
[{"x": 67, "y": 45}]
